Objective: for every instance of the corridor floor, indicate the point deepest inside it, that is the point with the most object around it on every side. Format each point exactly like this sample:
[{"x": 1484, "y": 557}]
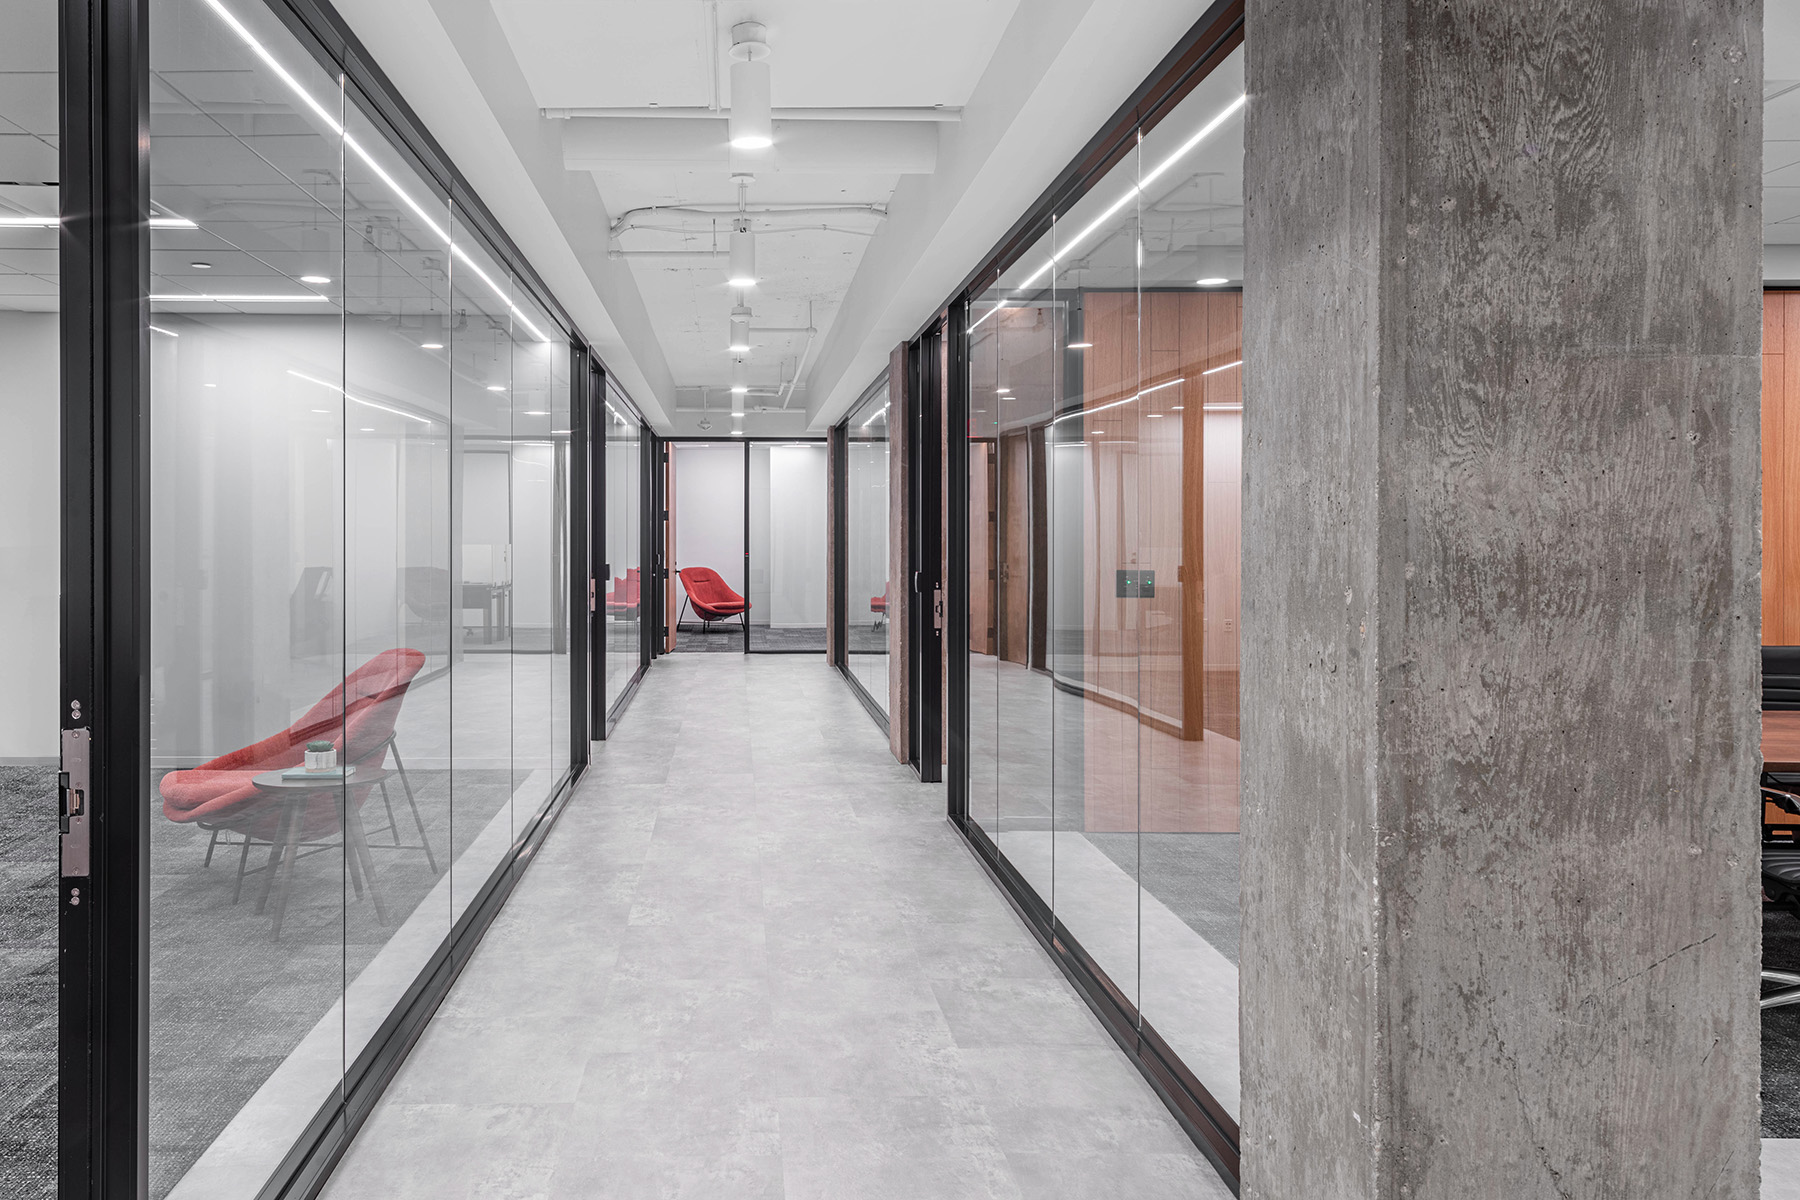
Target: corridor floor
[{"x": 754, "y": 960}]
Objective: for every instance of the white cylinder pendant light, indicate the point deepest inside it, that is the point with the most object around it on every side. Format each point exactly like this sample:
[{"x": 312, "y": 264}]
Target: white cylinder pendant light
[
  {"x": 752, "y": 127},
  {"x": 740, "y": 385},
  {"x": 742, "y": 273},
  {"x": 740, "y": 330}
]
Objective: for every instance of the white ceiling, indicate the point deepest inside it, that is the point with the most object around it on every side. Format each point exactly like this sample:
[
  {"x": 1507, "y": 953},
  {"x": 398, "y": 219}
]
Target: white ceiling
[
  {"x": 28, "y": 165},
  {"x": 635, "y": 54},
  {"x": 824, "y": 53},
  {"x": 1781, "y": 128}
]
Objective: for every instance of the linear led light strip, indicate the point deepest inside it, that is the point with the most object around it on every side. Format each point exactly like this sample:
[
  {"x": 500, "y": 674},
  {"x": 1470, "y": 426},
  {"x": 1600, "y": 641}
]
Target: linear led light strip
[
  {"x": 1084, "y": 412},
  {"x": 16, "y": 222},
  {"x": 332, "y": 122},
  {"x": 358, "y": 399},
  {"x": 1206, "y": 131},
  {"x": 180, "y": 297}
]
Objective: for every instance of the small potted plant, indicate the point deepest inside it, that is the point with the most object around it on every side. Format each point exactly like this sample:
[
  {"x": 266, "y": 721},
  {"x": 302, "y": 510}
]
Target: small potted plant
[{"x": 321, "y": 756}]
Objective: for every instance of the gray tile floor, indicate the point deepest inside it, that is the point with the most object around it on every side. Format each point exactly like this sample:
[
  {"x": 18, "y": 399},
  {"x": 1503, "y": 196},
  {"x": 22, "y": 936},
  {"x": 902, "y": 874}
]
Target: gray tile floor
[{"x": 753, "y": 960}]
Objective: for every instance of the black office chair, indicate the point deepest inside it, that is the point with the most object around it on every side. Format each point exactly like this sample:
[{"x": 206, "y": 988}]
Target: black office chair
[
  {"x": 1781, "y": 678},
  {"x": 1781, "y": 814},
  {"x": 1781, "y": 878}
]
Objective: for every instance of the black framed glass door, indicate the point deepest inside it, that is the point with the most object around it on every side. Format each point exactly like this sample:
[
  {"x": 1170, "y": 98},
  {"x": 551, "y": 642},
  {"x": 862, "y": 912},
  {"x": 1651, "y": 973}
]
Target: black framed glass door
[{"x": 745, "y": 533}]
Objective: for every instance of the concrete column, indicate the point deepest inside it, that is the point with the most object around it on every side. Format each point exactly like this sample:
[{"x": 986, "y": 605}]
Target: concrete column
[{"x": 1501, "y": 612}]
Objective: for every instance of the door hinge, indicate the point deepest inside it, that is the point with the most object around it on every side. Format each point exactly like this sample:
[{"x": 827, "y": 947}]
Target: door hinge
[
  {"x": 937, "y": 607},
  {"x": 72, "y": 791}
]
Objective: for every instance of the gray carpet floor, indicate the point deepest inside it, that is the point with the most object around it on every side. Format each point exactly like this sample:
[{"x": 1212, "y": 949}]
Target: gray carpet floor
[
  {"x": 27, "y": 982},
  {"x": 1781, "y": 1031},
  {"x": 728, "y": 638}
]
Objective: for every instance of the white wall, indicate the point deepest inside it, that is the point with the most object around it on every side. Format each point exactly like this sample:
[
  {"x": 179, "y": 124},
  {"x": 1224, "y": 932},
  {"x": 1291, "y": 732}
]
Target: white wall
[
  {"x": 866, "y": 571},
  {"x": 30, "y": 531},
  {"x": 792, "y": 548},
  {"x": 533, "y": 533}
]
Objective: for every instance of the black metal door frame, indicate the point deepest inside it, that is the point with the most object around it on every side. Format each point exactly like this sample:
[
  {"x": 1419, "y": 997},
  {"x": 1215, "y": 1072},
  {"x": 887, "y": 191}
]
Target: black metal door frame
[
  {"x": 925, "y": 615},
  {"x": 103, "y": 892}
]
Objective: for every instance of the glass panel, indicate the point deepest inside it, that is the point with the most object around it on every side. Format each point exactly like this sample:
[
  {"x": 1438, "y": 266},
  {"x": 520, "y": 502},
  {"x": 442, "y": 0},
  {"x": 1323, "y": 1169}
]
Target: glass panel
[
  {"x": 1094, "y": 608},
  {"x": 1781, "y": 528},
  {"x": 249, "y": 604},
  {"x": 868, "y": 586},
  {"x": 1190, "y": 451},
  {"x": 358, "y": 566},
  {"x": 707, "y": 507},
  {"x": 1104, "y": 453},
  {"x": 787, "y": 546},
  {"x": 624, "y": 516},
  {"x": 30, "y": 570},
  {"x": 482, "y": 488},
  {"x": 539, "y": 372},
  {"x": 397, "y": 593}
]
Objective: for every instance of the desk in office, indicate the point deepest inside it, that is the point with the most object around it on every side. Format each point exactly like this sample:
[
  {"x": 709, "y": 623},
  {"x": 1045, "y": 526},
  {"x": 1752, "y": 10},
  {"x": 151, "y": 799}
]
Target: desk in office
[{"x": 1781, "y": 742}]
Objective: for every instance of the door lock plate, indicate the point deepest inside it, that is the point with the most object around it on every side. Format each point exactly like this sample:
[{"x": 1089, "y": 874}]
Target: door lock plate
[{"x": 72, "y": 790}]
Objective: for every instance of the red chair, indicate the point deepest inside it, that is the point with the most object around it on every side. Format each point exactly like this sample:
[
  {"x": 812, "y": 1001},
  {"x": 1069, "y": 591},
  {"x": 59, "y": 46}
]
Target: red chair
[
  {"x": 357, "y": 717},
  {"x": 627, "y": 592},
  {"x": 879, "y": 606},
  {"x": 712, "y": 597}
]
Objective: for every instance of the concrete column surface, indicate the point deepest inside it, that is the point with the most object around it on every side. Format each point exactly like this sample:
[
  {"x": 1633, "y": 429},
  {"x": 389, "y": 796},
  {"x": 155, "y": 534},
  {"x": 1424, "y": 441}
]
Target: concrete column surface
[{"x": 1501, "y": 599}]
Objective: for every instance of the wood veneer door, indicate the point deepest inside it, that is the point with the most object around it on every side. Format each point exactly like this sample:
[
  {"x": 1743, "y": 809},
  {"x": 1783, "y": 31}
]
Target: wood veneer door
[
  {"x": 1781, "y": 469},
  {"x": 1013, "y": 530},
  {"x": 982, "y": 573}
]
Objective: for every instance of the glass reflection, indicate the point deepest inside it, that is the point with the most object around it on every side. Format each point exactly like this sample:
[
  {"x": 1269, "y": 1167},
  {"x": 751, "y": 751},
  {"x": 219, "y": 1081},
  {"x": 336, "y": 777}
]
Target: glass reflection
[
  {"x": 1104, "y": 451},
  {"x": 30, "y": 575},
  {"x": 359, "y": 585},
  {"x": 624, "y": 614},
  {"x": 867, "y": 568}
]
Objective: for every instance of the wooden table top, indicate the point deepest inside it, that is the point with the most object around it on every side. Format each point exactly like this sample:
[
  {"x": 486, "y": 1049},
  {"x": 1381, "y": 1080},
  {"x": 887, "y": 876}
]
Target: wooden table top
[{"x": 1781, "y": 741}]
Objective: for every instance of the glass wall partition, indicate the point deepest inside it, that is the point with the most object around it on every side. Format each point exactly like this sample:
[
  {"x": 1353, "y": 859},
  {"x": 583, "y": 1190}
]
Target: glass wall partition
[
  {"x": 1781, "y": 569},
  {"x": 706, "y": 533},
  {"x": 30, "y": 549},
  {"x": 359, "y": 559},
  {"x": 625, "y": 598},
  {"x": 867, "y": 571},
  {"x": 1103, "y": 454}
]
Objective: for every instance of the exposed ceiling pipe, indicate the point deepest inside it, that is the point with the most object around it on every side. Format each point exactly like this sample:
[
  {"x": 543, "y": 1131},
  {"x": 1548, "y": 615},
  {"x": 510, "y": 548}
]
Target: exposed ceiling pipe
[
  {"x": 800, "y": 366},
  {"x": 947, "y": 116},
  {"x": 712, "y": 46},
  {"x": 631, "y": 216}
]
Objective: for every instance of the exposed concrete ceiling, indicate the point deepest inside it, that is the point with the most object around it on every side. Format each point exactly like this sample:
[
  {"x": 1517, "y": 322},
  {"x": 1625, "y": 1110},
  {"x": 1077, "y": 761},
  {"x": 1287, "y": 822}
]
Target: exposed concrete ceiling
[
  {"x": 985, "y": 101},
  {"x": 639, "y": 60}
]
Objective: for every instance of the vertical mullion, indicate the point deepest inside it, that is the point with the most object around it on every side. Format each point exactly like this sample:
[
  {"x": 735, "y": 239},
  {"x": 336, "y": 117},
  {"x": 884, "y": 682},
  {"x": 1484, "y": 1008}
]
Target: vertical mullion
[
  {"x": 104, "y": 258},
  {"x": 957, "y": 589}
]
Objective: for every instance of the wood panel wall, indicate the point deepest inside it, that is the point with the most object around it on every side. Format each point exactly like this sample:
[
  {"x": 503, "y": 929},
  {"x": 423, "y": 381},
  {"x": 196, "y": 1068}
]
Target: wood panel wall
[{"x": 1781, "y": 469}]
